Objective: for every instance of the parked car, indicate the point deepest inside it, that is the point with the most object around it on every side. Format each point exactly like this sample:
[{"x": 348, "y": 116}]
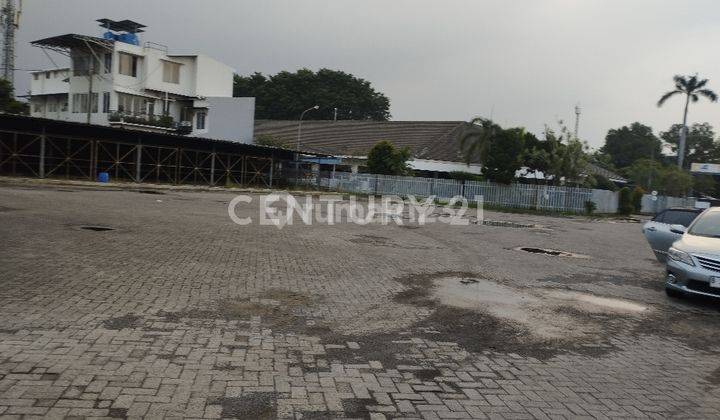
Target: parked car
[
  {"x": 693, "y": 263},
  {"x": 658, "y": 232}
]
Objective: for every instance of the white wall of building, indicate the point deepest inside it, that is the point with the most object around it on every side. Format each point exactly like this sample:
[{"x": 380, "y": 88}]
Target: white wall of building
[
  {"x": 229, "y": 119},
  {"x": 214, "y": 79},
  {"x": 49, "y": 82}
]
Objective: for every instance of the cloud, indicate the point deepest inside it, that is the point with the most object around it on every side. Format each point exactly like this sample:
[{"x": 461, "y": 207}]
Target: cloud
[{"x": 525, "y": 62}]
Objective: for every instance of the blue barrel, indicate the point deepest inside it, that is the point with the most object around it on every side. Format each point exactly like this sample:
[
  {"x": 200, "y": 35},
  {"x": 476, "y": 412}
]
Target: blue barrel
[{"x": 103, "y": 177}]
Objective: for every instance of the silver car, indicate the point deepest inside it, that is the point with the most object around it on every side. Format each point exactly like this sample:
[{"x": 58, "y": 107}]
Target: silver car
[
  {"x": 693, "y": 263},
  {"x": 659, "y": 232}
]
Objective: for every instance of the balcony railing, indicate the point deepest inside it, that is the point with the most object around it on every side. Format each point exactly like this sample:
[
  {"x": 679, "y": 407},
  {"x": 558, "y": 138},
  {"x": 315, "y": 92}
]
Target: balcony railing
[
  {"x": 163, "y": 121},
  {"x": 160, "y": 121}
]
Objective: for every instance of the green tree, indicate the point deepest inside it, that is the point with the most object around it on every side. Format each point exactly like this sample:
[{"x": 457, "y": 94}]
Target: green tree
[
  {"x": 285, "y": 95},
  {"x": 675, "y": 181},
  {"x": 705, "y": 184},
  {"x": 625, "y": 201},
  {"x": 693, "y": 88},
  {"x": 536, "y": 156},
  {"x": 268, "y": 140},
  {"x": 7, "y": 100},
  {"x": 646, "y": 173},
  {"x": 476, "y": 138},
  {"x": 567, "y": 159},
  {"x": 625, "y": 145},
  {"x": 504, "y": 155},
  {"x": 700, "y": 144},
  {"x": 385, "y": 159}
]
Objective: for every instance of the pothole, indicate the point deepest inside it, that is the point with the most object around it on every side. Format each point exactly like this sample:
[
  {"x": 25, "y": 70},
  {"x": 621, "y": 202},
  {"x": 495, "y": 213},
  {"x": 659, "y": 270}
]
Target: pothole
[
  {"x": 503, "y": 223},
  {"x": 97, "y": 228},
  {"x": 550, "y": 252}
]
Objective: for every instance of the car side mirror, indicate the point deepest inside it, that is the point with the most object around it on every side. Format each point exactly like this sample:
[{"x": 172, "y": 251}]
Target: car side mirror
[{"x": 679, "y": 229}]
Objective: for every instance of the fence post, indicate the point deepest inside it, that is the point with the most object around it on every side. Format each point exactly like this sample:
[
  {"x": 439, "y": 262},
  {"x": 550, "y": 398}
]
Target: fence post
[
  {"x": 212, "y": 167},
  {"x": 138, "y": 162},
  {"x": 41, "y": 169}
]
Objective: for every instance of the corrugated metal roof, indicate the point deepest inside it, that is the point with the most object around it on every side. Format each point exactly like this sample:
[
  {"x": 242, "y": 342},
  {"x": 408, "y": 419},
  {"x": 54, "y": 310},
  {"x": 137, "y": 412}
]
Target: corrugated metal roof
[{"x": 436, "y": 140}]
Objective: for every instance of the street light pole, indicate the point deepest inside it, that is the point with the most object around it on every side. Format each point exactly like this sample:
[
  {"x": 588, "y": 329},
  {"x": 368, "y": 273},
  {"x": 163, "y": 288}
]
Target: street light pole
[{"x": 297, "y": 148}]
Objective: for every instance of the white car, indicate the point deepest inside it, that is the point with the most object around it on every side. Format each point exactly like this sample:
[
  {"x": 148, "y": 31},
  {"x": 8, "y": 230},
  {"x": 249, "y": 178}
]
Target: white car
[{"x": 667, "y": 227}]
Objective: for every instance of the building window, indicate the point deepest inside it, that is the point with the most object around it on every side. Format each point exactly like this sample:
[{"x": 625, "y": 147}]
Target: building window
[
  {"x": 201, "y": 117},
  {"x": 64, "y": 106},
  {"x": 36, "y": 76},
  {"x": 106, "y": 102},
  {"x": 108, "y": 63},
  {"x": 131, "y": 104},
  {"x": 128, "y": 64},
  {"x": 171, "y": 72},
  {"x": 52, "y": 106},
  {"x": 38, "y": 107},
  {"x": 79, "y": 103},
  {"x": 81, "y": 65},
  {"x": 47, "y": 74}
]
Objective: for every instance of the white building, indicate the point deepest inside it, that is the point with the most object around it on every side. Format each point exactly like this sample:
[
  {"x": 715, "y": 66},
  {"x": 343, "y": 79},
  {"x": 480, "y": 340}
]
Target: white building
[{"x": 115, "y": 81}]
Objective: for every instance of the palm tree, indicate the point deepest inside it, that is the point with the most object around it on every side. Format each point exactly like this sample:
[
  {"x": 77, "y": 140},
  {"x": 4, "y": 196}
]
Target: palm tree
[
  {"x": 692, "y": 88},
  {"x": 476, "y": 137}
]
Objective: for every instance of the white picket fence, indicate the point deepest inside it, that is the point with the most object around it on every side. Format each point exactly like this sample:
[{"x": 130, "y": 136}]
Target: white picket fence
[{"x": 541, "y": 197}]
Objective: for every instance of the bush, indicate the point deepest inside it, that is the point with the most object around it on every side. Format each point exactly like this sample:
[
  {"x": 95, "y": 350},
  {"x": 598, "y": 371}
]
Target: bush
[
  {"x": 625, "y": 206},
  {"x": 465, "y": 176},
  {"x": 636, "y": 199},
  {"x": 602, "y": 183},
  {"x": 590, "y": 207}
]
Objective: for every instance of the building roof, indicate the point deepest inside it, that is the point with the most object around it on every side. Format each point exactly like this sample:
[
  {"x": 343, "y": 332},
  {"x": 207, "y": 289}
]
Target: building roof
[
  {"x": 27, "y": 124},
  {"x": 431, "y": 140},
  {"x": 62, "y": 43},
  {"x": 594, "y": 169},
  {"x": 122, "y": 25}
]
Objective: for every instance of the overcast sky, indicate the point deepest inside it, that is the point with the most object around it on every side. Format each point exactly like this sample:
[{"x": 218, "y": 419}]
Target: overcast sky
[{"x": 525, "y": 63}]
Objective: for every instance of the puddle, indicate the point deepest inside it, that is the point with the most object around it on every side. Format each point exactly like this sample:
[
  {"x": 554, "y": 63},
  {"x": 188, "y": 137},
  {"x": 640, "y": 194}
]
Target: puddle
[
  {"x": 550, "y": 252},
  {"x": 601, "y": 302},
  {"x": 547, "y": 314}
]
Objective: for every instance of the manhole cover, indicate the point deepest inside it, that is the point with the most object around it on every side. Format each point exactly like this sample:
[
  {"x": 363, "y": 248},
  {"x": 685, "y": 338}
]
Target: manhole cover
[
  {"x": 96, "y": 228},
  {"x": 551, "y": 252}
]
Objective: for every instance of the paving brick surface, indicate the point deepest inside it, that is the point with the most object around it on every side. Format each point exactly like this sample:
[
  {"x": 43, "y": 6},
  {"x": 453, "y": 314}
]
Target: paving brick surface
[{"x": 180, "y": 313}]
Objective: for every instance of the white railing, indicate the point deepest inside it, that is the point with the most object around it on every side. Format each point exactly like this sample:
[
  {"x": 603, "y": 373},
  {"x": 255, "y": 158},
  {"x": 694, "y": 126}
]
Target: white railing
[{"x": 540, "y": 197}]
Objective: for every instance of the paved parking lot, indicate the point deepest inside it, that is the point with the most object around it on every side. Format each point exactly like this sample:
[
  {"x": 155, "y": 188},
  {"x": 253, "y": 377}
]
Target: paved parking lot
[{"x": 178, "y": 312}]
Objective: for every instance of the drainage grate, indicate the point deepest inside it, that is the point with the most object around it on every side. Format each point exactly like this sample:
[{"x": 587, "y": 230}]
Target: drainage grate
[
  {"x": 551, "y": 252},
  {"x": 502, "y": 223},
  {"x": 96, "y": 228}
]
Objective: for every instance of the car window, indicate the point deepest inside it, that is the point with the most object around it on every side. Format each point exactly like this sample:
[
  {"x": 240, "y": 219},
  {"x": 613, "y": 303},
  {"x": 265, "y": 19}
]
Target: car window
[
  {"x": 660, "y": 216},
  {"x": 707, "y": 225},
  {"x": 679, "y": 217}
]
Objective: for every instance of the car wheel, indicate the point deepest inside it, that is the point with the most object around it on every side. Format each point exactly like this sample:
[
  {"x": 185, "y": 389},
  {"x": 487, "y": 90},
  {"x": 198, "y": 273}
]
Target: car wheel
[{"x": 673, "y": 293}]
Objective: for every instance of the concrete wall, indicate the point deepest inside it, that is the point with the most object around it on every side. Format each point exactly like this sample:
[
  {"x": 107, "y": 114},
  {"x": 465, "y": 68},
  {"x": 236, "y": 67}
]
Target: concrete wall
[
  {"x": 230, "y": 119},
  {"x": 213, "y": 78},
  {"x": 606, "y": 201},
  {"x": 651, "y": 206}
]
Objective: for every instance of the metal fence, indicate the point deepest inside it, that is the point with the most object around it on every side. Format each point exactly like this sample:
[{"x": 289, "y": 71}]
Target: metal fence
[{"x": 540, "y": 197}]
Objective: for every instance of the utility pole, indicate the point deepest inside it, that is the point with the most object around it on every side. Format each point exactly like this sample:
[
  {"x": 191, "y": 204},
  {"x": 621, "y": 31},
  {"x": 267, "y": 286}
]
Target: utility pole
[
  {"x": 91, "y": 68},
  {"x": 577, "y": 121},
  {"x": 335, "y": 115},
  {"x": 10, "y": 23}
]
